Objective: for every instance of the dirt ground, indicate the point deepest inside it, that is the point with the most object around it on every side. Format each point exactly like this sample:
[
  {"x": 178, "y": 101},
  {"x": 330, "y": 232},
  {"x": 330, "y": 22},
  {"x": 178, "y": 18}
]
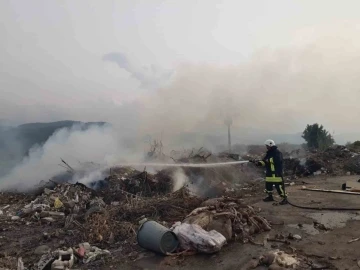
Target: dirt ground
[{"x": 327, "y": 249}]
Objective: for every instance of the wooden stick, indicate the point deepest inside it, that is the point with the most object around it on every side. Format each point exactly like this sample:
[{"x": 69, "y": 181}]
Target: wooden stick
[
  {"x": 331, "y": 191},
  {"x": 353, "y": 240},
  {"x": 278, "y": 240}
]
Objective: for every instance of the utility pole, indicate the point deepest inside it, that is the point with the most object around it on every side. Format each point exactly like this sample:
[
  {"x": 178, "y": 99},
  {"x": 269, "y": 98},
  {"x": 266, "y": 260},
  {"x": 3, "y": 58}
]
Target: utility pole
[
  {"x": 229, "y": 139},
  {"x": 228, "y": 123}
]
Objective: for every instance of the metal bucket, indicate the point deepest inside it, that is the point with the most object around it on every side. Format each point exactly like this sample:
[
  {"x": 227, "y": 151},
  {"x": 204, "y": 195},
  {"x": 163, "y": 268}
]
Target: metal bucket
[{"x": 153, "y": 236}]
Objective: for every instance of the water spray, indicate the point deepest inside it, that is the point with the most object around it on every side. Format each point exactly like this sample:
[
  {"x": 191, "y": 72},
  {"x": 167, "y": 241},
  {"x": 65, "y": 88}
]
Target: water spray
[
  {"x": 220, "y": 164},
  {"x": 190, "y": 165}
]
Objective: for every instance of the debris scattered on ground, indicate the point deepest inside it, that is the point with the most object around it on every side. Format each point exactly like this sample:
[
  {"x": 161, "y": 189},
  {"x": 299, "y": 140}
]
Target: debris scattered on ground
[
  {"x": 320, "y": 226},
  {"x": 278, "y": 258},
  {"x": 62, "y": 215},
  {"x": 92, "y": 253},
  {"x": 230, "y": 217},
  {"x": 294, "y": 237},
  {"x": 65, "y": 260},
  {"x": 354, "y": 240},
  {"x": 110, "y": 214}
]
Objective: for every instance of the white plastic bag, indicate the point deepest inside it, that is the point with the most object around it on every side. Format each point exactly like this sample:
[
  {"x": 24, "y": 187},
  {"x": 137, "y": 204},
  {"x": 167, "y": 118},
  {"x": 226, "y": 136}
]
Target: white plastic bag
[{"x": 193, "y": 237}]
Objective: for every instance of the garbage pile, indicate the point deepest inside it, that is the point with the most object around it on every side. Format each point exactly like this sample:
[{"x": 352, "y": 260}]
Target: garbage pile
[
  {"x": 66, "y": 259},
  {"x": 204, "y": 182},
  {"x": 126, "y": 179},
  {"x": 71, "y": 224},
  {"x": 207, "y": 228},
  {"x": 77, "y": 215},
  {"x": 353, "y": 165},
  {"x": 336, "y": 160},
  {"x": 55, "y": 203},
  {"x": 230, "y": 217}
]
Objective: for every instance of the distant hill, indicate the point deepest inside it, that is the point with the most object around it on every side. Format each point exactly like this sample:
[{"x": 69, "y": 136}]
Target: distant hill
[{"x": 15, "y": 142}]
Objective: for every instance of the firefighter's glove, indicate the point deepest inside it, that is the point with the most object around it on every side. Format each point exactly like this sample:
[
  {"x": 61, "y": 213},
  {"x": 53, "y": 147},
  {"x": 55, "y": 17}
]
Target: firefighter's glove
[{"x": 256, "y": 162}]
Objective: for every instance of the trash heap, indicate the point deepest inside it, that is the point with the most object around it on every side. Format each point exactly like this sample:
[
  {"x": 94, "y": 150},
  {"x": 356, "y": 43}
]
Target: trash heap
[
  {"x": 230, "y": 217},
  {"x": 55, "y": 204},
  {"x": 336, "y": 160},
  {"x": 121, "y": 219},
  {"x": 208, "y": 227},
  {"x": 129, "y": 180},
  {"x": 72, "y": 224}
]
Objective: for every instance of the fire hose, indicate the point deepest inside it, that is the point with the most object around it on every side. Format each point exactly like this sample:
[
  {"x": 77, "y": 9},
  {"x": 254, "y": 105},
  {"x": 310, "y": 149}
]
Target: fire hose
[
  {"x": 318, "y": 208},
  {"x": 310, "y": 207},
  {"x": 323, "y": 208}
]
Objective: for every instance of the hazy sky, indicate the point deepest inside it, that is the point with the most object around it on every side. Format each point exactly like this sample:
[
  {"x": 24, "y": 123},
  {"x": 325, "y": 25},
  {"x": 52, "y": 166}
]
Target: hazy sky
[{"x": 54, "y": 55}]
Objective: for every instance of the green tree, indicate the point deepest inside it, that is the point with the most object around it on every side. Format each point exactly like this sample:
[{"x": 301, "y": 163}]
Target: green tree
[
  {"x": 317, "y": 137},
  {"x": 356, "y": 144}
]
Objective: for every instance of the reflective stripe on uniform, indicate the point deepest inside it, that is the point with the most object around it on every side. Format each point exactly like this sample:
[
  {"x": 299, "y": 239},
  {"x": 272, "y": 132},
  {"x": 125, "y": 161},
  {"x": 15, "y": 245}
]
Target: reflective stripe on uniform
[
  {"x": 262, "y": 163},
  {"x": 272, "y": 167},
  {"x": 273, "y": 179},
  {"x": 282, "y": 191}
]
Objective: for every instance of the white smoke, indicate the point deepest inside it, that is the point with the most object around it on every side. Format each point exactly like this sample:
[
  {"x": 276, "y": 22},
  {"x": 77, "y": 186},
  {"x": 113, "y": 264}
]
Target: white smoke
[
  {"x": 179, "y": 179},
  {"x": 274, "y": 90},
  {"x": 101, "y": 145}
]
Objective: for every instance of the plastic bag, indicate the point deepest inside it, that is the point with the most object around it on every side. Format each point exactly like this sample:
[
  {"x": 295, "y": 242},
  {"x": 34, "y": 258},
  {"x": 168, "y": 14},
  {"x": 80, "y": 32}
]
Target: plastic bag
[
  {"x": 193, "y": 237},
  {"x": 58, "y": 203}
]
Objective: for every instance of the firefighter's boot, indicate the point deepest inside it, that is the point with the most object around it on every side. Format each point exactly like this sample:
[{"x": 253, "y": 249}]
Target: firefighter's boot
[
  {"x": 284, "y": 201},
  {"x": 269, "y": 198}
]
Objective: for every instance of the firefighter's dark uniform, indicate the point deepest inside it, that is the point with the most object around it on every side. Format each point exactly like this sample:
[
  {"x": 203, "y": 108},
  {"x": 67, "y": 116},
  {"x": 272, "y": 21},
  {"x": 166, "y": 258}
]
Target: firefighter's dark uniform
[{"x": 273, "y": 162}]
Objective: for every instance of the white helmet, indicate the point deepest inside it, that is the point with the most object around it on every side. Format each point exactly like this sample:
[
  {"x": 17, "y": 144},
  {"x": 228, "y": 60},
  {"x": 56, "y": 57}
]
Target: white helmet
[{"x": 269, "y": 143}]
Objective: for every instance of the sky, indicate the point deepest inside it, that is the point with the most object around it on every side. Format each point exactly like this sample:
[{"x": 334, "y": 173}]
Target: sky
[{"x": 181, "y": 65}]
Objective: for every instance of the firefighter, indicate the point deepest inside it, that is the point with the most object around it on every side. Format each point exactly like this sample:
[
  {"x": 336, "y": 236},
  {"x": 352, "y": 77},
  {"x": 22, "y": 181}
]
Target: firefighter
[{"x": 273, "y": 162}]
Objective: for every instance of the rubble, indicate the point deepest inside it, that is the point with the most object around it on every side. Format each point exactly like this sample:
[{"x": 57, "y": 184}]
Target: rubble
[
  {"x": 66, "y": 214},
  {"x": 65, "y": 260},
  {"x": 128, "y": 180},
  {"x": 276, "y": 259},
  {"x": 91, "y": 253},
  {"x": 279, "y": 258},
  {"x": 76, "y": 225},
  {"x": 336, "y": 160},
  {"x": 237, "y": 221}
]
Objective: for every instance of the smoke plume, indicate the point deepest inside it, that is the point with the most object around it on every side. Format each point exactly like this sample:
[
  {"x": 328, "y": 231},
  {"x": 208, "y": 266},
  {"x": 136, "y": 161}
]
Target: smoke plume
[
  {"x": 180, "y": 179},
  {"x": 275, "y": 91},
  {"x": 150, "y": 77},
  {"x": 100, "y": 145}
]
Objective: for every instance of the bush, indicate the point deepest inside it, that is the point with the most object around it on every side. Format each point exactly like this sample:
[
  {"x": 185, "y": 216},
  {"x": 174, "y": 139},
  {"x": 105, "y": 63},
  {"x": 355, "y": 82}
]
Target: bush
[
  {"x": 354, "y": 147},
  {"x": 356, "y": 144}
]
